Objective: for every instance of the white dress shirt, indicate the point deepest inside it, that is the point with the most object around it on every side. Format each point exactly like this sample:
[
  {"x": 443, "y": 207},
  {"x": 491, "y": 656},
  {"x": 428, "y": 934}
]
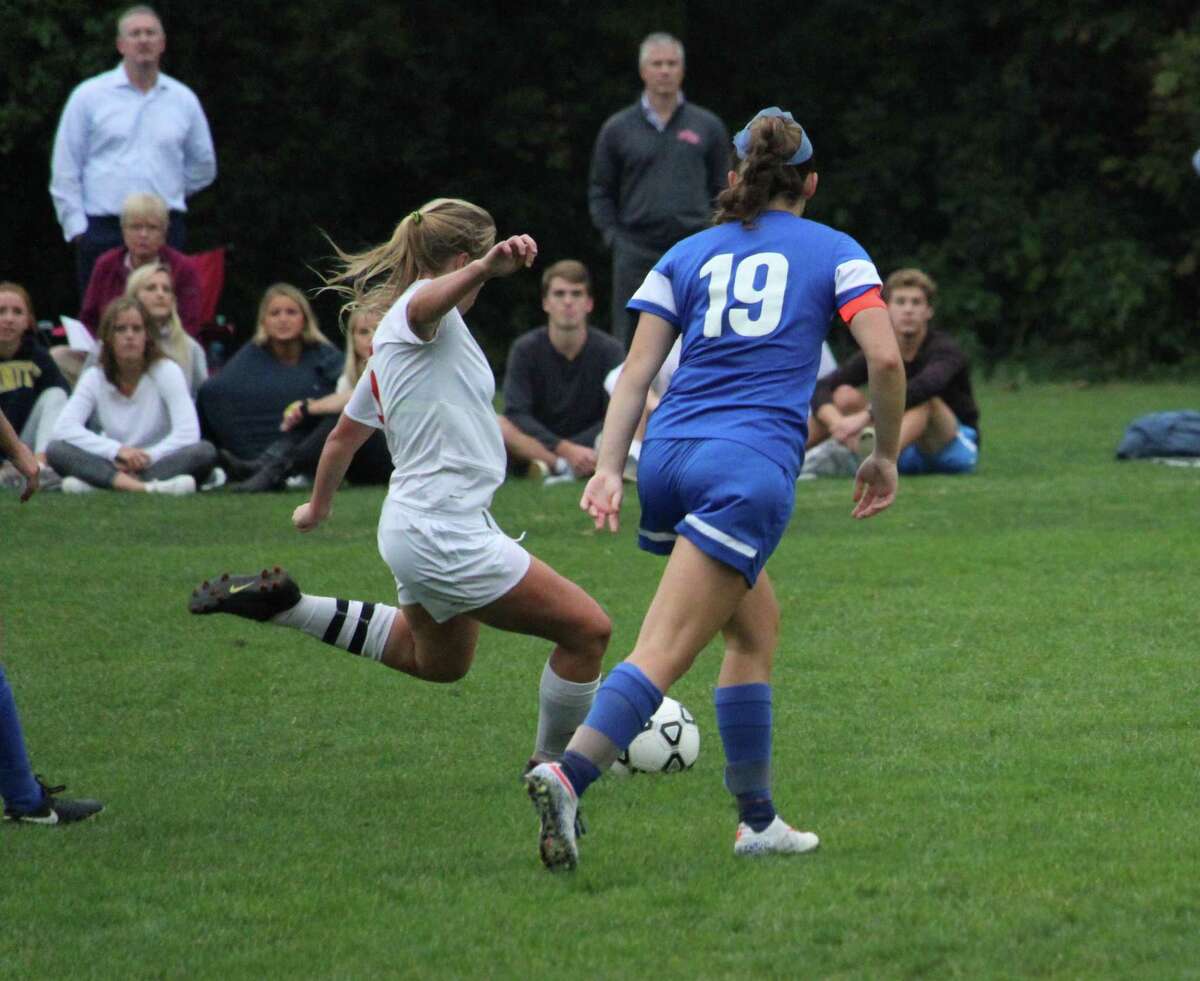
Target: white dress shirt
[{"x": 114, "y": 140}]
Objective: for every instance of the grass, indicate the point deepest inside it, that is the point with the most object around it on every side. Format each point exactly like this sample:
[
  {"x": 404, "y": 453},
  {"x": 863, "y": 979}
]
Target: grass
[{"x": 985, "y": 700}]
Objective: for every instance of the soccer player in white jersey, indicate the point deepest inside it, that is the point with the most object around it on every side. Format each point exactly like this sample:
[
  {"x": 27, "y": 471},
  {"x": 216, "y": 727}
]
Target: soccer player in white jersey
[
  {"x": 752, "y": 299},
  {"x": 429, "y": 387}
]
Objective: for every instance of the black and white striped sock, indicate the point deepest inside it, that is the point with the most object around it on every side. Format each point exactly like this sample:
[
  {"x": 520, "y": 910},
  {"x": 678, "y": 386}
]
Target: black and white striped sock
[{"x": 354, "y": 625}]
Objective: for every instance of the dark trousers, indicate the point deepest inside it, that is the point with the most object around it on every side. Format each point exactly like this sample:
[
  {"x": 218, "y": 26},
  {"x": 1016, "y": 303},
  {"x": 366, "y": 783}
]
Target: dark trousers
[
  {"x": 372, "y": 464},
  {"x": 104, "y": 233},
  {"x": 631, "y": 262}
]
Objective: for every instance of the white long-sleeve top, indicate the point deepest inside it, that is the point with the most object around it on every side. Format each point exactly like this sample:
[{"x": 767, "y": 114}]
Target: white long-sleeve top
[{"x": 159, "y": 417}]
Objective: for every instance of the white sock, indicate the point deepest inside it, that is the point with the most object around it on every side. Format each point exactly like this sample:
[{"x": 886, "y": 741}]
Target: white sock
[
  {"x": 353, "y": 625},
  {"x": 562, "y": 707},
  {"x": 561, "y": 466}
]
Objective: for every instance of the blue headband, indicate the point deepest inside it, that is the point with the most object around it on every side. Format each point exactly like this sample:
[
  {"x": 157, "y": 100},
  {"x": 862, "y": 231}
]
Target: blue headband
[{"x": 741, "y": 142}]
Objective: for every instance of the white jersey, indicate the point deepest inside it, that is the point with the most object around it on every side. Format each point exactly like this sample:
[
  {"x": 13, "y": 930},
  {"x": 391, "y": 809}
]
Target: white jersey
[{"x": 433, "y": 400}]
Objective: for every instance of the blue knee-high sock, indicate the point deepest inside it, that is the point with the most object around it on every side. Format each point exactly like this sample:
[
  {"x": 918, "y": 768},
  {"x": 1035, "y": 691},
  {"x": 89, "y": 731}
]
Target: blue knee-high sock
[
  {"x": 744, "y": 721},
  {"x": 621, "y": 708},
  {"x": 17, "y": 785}
]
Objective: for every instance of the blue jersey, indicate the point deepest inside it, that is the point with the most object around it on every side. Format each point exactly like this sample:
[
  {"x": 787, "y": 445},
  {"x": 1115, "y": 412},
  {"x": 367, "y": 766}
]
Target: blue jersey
[{"x": 753, "y": 306}]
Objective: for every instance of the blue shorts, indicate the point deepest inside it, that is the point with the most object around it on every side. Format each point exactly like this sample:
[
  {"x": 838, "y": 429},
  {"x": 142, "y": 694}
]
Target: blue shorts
[
  {"x": 728, "y": 500},
  {"x": 958, "y": 456}
]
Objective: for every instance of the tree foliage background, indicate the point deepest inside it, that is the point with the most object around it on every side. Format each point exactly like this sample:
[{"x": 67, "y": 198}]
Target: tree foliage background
[{"x": 1033, "y": 155}]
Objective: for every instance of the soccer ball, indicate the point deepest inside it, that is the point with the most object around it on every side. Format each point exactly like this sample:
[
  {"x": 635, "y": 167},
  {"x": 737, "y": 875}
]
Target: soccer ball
[{"x": 668, "y": 743}]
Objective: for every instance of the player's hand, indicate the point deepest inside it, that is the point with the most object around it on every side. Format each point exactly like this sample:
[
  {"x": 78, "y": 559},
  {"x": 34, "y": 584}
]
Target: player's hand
[
  {"x": 130, "y": 459},
  {"x": 602, "y": 499},
  {"x": 27, "y": 466},
  {"x": 874, "y": 486},
  {"x": 506, "y": 257},
  {"x": 306, "y": 517}
]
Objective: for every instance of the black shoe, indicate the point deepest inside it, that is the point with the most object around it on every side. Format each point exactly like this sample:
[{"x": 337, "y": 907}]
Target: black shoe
[
  {"x": 237, "y": 467},
  {"x": 257, "y": 597},
  {"x": 55, "y": 810},
  {"x": 267, "y": 478}
]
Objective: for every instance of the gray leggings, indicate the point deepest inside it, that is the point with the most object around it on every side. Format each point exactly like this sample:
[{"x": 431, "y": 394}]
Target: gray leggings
[{"x": 70, "y": 461}]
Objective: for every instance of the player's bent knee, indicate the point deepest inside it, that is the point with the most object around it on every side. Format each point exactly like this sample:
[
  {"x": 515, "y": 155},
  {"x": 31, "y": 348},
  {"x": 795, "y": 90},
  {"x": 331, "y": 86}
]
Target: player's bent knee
[{"x": 444, "y": 671}]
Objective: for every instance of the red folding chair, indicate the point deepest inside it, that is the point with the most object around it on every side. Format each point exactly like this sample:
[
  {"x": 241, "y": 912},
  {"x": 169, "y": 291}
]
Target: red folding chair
[{"x": 215, "y": 333}]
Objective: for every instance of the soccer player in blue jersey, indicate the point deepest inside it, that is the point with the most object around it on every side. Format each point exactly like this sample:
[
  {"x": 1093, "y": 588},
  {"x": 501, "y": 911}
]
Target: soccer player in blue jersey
[
  {"x": 753, "y": 298},
  {"x": 26, "y": 799}
]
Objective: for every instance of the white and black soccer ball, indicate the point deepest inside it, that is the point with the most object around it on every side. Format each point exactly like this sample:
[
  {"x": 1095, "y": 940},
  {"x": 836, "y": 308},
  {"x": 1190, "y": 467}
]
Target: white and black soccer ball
[{"x": 668, "y": 743}]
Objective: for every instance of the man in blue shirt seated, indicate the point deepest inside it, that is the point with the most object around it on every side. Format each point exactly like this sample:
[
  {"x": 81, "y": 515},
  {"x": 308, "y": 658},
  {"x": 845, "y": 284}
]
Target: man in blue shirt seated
[{"x": 124, "y": 131}]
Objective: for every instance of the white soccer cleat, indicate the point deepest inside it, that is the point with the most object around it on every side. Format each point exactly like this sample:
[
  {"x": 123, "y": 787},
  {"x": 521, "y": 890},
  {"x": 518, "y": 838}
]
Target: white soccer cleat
[
  {"x": 777, "y": 838},
  {"x": 556, "y": 804}
]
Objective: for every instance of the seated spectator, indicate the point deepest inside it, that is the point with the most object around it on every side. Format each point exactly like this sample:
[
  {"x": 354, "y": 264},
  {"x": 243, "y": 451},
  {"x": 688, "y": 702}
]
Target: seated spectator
[
  {"x": 659, "y": 386},
  {"x": 148, "y": 436},
  {"x": 32, "y": 390},
  {"x": 554, "y": 396},
  {"x": 299, "y": 450},
  {"x": 144, "y": 220},
  {"x": 152, "y": 285},
  {"x": 940, "y": 430},
  {"x": 287, "y": 360}
]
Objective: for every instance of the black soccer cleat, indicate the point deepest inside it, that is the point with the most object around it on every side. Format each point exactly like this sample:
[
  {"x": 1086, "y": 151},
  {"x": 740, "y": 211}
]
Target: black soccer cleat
[
  {"x": 257, "y": 597},
  {"x": 55, "y": 810}
]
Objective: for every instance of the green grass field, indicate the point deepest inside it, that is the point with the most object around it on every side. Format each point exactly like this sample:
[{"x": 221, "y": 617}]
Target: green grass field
[{"x": 986, "y": 705}]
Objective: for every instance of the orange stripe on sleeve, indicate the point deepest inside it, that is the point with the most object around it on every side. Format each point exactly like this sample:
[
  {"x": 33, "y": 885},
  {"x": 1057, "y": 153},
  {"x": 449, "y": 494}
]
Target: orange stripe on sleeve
[{"x": 871, "y": 298}]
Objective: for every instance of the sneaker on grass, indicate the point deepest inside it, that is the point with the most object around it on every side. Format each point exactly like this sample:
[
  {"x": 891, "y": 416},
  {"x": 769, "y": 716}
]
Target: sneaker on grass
[
  {"x": 55, "y": 810},
  {"x": 257, "y": 597},
  {"x": 777, "y": 838},
  {"x": 556, "y": 805},
  {"x": 830, "y": 459},
  {"x": 185, "y": 483}
]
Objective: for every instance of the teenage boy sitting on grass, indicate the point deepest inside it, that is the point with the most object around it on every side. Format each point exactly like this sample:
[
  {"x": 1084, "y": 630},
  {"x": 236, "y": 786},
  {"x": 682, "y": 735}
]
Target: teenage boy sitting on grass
[{"x": 940, "y": 430}]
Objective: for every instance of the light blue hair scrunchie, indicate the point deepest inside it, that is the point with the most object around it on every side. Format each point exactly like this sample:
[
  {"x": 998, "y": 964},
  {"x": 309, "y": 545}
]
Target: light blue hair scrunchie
[{"x": 741, "y": 142}]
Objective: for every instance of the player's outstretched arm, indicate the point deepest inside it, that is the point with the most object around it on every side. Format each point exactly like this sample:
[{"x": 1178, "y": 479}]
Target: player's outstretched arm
[
  {"x": 340, "y": 446},
  {"x": 436, "y": 298},
  {"x": 651, "y": 344},
  {"x": 876, "y": 480}
]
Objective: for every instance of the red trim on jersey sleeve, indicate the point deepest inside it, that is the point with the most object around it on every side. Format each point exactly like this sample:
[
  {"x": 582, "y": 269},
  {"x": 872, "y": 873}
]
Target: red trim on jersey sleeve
[
  {"x": 864, "y": 301},
  {"x": 378, "y": 400}
]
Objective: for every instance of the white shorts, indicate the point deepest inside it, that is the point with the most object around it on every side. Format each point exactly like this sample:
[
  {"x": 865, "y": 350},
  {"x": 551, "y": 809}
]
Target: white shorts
[{"x": 449, "y": 564}]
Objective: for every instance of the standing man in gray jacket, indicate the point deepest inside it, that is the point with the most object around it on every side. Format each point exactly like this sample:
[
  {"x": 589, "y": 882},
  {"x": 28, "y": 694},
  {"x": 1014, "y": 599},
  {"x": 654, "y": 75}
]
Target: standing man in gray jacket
[{"x": 656, "y": 169}]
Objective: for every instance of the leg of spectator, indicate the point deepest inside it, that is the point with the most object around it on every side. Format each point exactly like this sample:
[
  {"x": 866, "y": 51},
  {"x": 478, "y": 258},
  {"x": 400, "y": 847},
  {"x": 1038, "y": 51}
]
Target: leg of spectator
[
  {"x": 307, "y": 451},
  {"x": 40, "y": 425},
  {"x": 631, "y": 263},
  {"x": 177, "y": 231},
  {"x": 103, "y": 233},
  {"x": 523, "y": 448},
  {"x": 940, "y": 427},
  {"x": 849, "y": 399},
  {"x": 70, "y": 461},
  {"x": 197, "y": 460},
  {"x": 372, "y": 464}
]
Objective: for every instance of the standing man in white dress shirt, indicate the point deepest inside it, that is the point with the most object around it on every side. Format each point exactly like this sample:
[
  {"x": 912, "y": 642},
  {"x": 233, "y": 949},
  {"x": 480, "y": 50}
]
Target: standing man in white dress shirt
[{"x": 128, "y": 130}]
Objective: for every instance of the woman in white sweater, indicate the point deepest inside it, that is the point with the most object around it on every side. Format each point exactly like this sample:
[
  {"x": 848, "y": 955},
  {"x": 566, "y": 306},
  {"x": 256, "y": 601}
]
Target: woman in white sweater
[{"x": 149, "y": 435}]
